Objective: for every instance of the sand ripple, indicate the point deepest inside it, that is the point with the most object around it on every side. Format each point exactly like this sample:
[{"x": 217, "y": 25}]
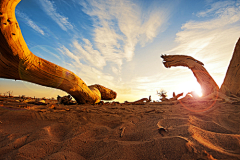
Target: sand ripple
[{"x": 119, "y": 132}]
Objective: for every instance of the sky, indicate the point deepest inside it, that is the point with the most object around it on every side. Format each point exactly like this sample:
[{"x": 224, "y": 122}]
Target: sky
[{"x": 118, "y": 44}]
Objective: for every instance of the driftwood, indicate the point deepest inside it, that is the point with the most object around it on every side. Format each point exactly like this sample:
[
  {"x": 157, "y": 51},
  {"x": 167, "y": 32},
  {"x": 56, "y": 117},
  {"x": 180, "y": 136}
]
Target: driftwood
[
  {"x": 142, "y": 101},
  {"x": 225, "y": 98},
  {"x": 175, "y": 97},
  {"x": 207, "y": 83},
  {"x": 230, "y": 89},
  {"x": 19, "y": 63},
  {"x": 66, "y": 100},
  {"x": 165, "y": 103},
  {"x": 231, "y": 83}
]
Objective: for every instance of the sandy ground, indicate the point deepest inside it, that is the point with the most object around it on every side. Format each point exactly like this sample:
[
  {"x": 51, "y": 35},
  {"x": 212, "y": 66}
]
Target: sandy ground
[{"x": 118, "y": 131}]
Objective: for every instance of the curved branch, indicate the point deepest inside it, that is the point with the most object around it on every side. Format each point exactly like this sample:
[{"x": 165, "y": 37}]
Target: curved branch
[
  {"x": 19, "y": 63},
  {"x": 207, "y": 83}
]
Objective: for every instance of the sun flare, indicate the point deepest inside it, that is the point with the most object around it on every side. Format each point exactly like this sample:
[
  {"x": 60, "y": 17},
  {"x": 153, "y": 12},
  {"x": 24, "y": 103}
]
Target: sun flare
[
  {"x": 199, "y": 93},
  {"x": 191, "y": 86}
]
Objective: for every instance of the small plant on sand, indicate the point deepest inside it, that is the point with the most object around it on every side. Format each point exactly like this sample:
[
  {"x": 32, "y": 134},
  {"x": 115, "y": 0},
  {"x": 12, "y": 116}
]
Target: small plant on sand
[{"x": 162, "y": 94}]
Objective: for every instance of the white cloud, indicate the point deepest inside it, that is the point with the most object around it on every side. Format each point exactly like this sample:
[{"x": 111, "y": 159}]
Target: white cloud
[
  {"x": 211, "y": 41},
  {"x": 68, "y": 53},
  {"x": 115, "y": 70},
  {"x": 215, "y": 8},
  {"x": 29, "y": 22},
  {"x": 120, "y": 25},
  {"x": 226, "y": 14},
  {"x": 89, "y": 74},
  {"x": 61, "y": 20},
  {"x": 93, "y": 56},
  {"x": 49, "y": 52}
]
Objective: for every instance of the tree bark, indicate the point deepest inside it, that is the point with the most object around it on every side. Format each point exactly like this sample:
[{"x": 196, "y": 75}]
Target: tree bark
[
  {"x": 19, "y": 63},
  {"x": 231, "y": 83}
]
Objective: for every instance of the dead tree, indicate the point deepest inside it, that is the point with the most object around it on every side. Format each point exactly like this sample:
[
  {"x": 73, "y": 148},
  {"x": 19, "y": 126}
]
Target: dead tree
[
  {"x": 230, "y": 89},
  {"x": 207, "y": 83},
  {"x": 231, "y": 83},
  {"x": 9, "y": 93},
  {"x": 19, "y": 63},
  {"x": 162, "y": 94}
]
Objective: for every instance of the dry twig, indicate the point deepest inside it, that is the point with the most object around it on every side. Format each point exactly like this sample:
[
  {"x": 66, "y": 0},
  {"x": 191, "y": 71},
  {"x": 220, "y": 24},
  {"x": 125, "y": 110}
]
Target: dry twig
[{"x": 122, "y": 131}]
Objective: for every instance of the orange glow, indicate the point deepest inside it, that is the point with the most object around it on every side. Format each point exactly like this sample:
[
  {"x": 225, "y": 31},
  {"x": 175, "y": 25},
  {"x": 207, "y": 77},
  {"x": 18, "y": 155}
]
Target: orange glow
[
  {"x": 190, "y": 86},
  {"x": 199, "y": 93}
]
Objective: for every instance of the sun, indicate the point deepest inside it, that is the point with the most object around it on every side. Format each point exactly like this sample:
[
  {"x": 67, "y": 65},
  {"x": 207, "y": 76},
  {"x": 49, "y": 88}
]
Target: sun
[
  {"x": 191, "y": 86},
  {"x": 196, "y": 88},
  {"x": 199, "y": 93}
]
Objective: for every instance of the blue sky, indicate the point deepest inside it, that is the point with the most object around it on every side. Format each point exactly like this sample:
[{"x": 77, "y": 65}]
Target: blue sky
[{"x": 118, "y": 43}]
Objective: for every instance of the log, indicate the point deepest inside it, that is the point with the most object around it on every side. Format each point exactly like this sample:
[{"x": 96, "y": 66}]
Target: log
[
  {"x": 205, "y": 80},
  {"x": 19, "y": 63}
]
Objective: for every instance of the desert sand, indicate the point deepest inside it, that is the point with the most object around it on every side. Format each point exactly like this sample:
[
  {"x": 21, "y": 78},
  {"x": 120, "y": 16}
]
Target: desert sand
[{"x": 196, "y": 130}]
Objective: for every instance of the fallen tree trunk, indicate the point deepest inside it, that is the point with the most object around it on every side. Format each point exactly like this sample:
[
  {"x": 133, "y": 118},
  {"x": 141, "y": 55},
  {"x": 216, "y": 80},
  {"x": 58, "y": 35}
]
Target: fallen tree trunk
[
  {"x": 19, "y": 63},
  {"x": 142, "y": 101}
]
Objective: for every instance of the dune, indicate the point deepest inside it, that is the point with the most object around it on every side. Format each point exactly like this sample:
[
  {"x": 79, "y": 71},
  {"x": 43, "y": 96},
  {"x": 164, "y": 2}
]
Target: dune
[{"x": 119, "y": 131}]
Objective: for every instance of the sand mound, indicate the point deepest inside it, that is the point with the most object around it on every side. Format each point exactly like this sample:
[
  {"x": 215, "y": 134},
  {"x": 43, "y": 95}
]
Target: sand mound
[{"x": 119, "y": 132}]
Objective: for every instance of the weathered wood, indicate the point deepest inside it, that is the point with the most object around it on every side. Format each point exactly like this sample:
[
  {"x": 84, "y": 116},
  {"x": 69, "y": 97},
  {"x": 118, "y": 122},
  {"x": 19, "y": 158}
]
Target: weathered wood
[
  {"x": 224, "y": 97},
  {"x": 231, "y": 83},
  {"x": 207, "y": 83},
  {"x": 230, "y": 89},
  {"x": 175, "y": 97},
  {"x": 19, "y": 63}
]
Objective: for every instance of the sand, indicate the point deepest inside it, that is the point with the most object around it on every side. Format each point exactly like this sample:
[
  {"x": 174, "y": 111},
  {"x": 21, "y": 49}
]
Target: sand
[{"x": 119, "y": 131}]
